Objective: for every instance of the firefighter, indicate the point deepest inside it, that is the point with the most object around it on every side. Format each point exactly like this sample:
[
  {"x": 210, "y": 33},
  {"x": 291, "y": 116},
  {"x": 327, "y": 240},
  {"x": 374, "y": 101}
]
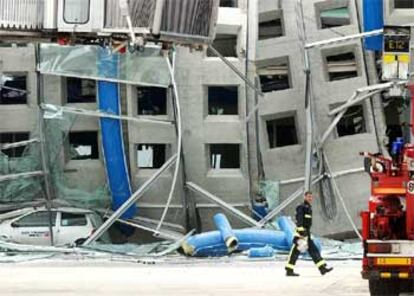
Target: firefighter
[{"x": 303, "y": 235}]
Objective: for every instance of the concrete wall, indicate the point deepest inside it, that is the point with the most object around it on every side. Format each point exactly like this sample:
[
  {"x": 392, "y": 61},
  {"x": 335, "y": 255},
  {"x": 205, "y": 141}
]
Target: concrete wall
[{"x": 287, "y": 162}]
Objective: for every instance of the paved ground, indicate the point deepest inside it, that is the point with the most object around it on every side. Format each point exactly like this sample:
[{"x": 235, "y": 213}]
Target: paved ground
[{"x": 209, "y": 277}]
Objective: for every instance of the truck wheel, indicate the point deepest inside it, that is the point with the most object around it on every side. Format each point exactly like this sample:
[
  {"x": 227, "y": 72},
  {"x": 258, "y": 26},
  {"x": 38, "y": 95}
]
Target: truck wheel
[
  {"x": 384, "y": 287},
  {"x": 407, "y": 286}
]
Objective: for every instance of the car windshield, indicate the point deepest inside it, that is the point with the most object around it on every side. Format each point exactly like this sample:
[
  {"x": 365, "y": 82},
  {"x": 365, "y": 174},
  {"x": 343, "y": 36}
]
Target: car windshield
[{"x": 36, "y": 219}]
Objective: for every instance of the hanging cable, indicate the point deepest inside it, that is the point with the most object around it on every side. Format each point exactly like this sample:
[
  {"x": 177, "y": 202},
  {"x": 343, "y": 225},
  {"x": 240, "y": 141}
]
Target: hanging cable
[{"x": 171, "y": 68}]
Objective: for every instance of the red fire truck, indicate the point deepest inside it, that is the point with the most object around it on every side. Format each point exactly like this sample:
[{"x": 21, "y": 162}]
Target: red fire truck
[{"x": 388, "y": 224}]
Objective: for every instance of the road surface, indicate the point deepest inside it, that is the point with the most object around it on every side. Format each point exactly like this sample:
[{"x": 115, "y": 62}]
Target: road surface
[{"x": 197, "y": 277}]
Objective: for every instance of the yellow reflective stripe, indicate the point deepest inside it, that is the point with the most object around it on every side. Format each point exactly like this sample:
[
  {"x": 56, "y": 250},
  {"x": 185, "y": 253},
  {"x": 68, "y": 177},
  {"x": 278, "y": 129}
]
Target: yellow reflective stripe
[
  {"x": 404, "y": 58},
  {"x": 290, "y": 266},
  {"x": 320, "y": 263},
  {"x": 403, "y": 275},
  {"x": 300, "y": 229},
  {"x": 388, "y": 58},
  {"x": 308, "y": 216},
  {"x": 290, "y": 253}
]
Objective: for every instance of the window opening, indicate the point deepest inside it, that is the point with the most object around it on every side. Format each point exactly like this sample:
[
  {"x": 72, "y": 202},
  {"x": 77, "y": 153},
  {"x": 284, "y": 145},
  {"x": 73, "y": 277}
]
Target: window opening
[
  {"x": 73, "y": 219},
  {"x": 341, "y": 66},
  {"x": 152, "y": 101},
  {"x": 281, "y": 132},
  {"x": 224, "y": 156},
  {"x": 274, "y": 77},
  {"x": 151, "y": 156},
  {"x": 223, "y": 100},
  {"x": 80, "y": 90},
  {"x": 83, "y": 145},
  {"x": 335, "y": 17},
  {"x": 352, "y": 122},
  {"x": 13, "y": 89}
]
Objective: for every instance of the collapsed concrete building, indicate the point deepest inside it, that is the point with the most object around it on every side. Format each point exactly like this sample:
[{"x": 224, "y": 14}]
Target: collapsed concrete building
[{"x": 222, "y": 151}]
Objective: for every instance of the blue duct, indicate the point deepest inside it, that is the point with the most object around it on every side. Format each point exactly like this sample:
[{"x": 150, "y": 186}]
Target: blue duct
[
  {"x": 373, "y": 20},
  {"x": 288, "y": 227},
  {"x": 112, "y": 138},
  {"x": 211, "y": 243},
  {"x": 223, "y": 225}
]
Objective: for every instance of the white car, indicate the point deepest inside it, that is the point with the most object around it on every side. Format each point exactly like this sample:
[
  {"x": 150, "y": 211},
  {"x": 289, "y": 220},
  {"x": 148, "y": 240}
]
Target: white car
[{"x": 31, "y": 225}]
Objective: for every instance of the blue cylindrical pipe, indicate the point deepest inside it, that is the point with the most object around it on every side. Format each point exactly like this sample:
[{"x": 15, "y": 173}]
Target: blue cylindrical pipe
[
  {"x": 288, "y": 227},
  {"x": 373, "y": 20},
  {"x": 223, "y": 225},
  {"x": 211, "y": 243},
  {"x": 112, "y": 137},
  {"x": 263, "y": 252}
]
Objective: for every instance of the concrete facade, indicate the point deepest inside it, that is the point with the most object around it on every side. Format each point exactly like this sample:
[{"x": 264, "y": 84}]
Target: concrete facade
[
  {"x": 196, "y": 71},
  {"x": 287, "y": 162}
]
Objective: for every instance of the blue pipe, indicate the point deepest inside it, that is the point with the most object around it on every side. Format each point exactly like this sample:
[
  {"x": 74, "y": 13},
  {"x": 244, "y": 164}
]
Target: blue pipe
[
  {"x": 373, "y": 20},
  {"x": 223, "y": 225},
  {"x": 288, "y": 227},
  {"x": 112, "y": 138},
  {"x": 211, "y": 243}
]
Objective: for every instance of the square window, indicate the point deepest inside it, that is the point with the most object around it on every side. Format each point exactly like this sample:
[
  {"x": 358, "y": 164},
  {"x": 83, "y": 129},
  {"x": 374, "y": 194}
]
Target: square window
[
  {"x": 83, "y": 145},
  {"x": 228, "y": 3},
  {"x": 224, "y": 156},
  {"x": 151, "y": 156},
  {"x": 352, "y": 122},
  {"x": 271, "y": 26},
  {"x": 223, "y": 100},
  {"x": 152, "y": 101},
  {"x": 226, "y": 44},
  {"x": 80, "y": 90},
  {"x": 341, "y": 66},
  {"x": 274, "y": 75},
  {"x": 282, "y": 132},
  {"x": 335, "y": 15},
  {"x": 404, "y": 4},
  {"x": 8, "y": 138},
  {"x": 13, "y": 89}
]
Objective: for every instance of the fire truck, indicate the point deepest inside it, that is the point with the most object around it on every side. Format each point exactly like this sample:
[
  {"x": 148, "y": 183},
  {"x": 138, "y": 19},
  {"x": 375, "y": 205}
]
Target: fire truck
[{"x": 388, "y": 224}]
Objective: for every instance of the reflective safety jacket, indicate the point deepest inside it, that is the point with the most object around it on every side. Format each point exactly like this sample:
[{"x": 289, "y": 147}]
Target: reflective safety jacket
[{"x": 304, "y": 218}]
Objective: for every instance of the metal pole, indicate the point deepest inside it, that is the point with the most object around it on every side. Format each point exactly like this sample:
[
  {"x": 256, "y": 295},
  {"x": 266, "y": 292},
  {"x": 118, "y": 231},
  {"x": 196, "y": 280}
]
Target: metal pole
[
  {"x": 353, "y": 102},
  {"x": 308, "y": 96},
  {"x": 287, "y": 202},
  {"x": 57, "y": 109},
  {"x": 134, "y": 197},
  {"x": 334, "y": 122},
  {"x": 343, "y": 39},
  {"x": 21, "y": 175},
  {"x": 18, "y": 144},
  {"x": 232, "y": 210},
  {"x": 235, "y": 70},
  {"x": 46, "y": 173}
]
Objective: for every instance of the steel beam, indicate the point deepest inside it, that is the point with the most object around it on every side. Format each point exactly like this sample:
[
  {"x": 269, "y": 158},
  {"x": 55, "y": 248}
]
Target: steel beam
[
  {"x": 133, "y": 199},
  {"x": 232, "y": 210}
]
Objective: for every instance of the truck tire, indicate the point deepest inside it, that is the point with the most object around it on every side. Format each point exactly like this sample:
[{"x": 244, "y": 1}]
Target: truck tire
[
  {"x": 384, "y": 288},
  {"x": 406, "y": 286}
]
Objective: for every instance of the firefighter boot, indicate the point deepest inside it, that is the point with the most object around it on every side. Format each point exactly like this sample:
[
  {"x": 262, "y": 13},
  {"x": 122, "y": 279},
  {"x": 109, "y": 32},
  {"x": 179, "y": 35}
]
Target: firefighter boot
[
  {"x": 324, "y": 269},
  {"x": 290, "y": 272}
]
